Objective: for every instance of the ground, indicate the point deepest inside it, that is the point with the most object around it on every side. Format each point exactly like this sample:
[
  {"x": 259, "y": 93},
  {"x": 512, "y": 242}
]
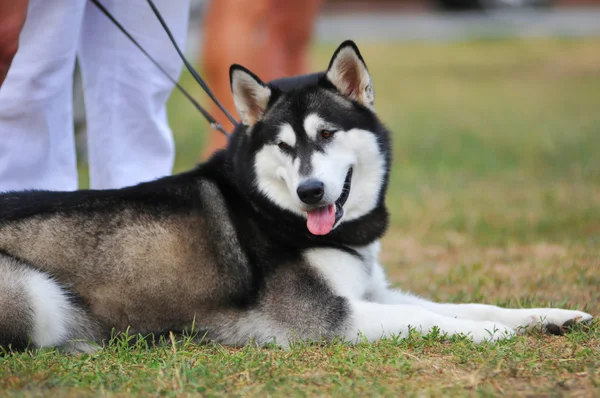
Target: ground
[{"x": 495, "y": 198}]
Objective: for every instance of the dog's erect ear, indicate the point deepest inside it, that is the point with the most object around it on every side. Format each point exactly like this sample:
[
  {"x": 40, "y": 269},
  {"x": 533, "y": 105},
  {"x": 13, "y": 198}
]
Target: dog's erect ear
[
  {"x": 348, "y": 73},
  {"x": 250, "y": 94}
]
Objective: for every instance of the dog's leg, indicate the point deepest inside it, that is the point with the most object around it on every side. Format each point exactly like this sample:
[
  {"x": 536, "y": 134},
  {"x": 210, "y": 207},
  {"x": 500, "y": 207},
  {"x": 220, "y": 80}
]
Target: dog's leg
[
  {"x": 349, "y": 319},
  {"x": 297, "y": 305},
  {"x": 374, "y": 321},
  {"x": 520, "y": 319}
]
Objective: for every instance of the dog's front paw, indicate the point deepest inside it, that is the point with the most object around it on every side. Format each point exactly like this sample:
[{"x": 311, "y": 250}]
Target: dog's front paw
[
  {"x": 553, "y": 320},
  {"x": 480, "y": 331}
]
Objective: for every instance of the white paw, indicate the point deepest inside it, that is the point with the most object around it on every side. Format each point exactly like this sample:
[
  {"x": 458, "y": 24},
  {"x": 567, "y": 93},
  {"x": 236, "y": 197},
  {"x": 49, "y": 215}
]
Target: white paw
[
  {"x": 480, "y": 331},
  {"x": 552, "y": 319}
]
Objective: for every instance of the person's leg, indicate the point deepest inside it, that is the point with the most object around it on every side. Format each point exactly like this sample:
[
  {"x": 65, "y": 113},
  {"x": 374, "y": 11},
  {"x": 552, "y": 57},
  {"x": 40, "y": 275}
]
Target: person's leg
[
  {"x": 37, "y": 149},
  {"x": 129, "y": 139},
  {"x": 12, "y": 18},
  {"x": 289, "y": 31},
  {"x": 233, "y": 33}
]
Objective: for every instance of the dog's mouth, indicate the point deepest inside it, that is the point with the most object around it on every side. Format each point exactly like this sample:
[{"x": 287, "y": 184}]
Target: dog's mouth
[
  {"x": 339, "y": 204},
  {"x": 323, "y": 219}
]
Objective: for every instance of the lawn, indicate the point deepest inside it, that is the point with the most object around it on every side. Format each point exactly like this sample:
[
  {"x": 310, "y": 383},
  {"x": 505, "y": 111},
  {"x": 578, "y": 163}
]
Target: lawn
[{"x": 495, "y": 198}]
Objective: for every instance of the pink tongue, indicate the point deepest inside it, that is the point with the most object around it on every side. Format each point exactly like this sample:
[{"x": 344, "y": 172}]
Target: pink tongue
[{"x": 321, "y": 220}]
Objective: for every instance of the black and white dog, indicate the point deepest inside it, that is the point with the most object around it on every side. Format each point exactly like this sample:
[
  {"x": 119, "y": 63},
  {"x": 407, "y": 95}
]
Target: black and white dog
[{"x": 273, "y": 239}]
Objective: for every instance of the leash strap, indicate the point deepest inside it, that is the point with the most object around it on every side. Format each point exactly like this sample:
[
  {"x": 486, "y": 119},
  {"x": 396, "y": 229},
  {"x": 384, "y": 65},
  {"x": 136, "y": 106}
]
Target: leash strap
[
  {"x": 213, "y": 123},
  {"x": 189, "y": 66}
]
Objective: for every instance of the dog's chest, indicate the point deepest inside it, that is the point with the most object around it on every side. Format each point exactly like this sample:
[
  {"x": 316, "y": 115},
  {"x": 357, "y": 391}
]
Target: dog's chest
[{"x": 346, "y": 274}]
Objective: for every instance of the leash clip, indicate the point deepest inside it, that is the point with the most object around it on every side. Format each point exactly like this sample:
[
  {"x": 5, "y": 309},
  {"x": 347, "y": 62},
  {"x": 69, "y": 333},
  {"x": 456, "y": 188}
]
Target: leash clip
[{"x": 217, "y": 126}]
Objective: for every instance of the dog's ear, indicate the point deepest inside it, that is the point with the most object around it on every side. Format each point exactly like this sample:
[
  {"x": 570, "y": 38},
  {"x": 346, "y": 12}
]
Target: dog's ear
[
  {"x": 348, "y": 72},
  {"x": 250, "y": 94}
]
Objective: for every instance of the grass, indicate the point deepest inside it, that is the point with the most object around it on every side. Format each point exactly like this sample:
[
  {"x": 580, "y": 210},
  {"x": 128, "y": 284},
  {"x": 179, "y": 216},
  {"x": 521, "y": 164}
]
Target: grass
[{"x": 495, "y": 197}]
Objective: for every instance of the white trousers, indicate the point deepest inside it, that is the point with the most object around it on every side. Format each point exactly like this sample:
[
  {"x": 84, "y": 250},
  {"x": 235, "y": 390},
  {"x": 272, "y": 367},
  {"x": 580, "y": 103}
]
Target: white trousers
[{"x": 129, "y": 140}]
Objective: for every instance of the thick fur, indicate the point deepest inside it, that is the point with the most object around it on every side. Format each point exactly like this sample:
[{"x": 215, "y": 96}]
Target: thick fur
[{"x": 225, "y": 247}]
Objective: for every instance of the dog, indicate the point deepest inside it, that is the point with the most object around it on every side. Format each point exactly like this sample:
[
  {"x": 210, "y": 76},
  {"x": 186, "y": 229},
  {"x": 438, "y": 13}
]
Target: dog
[{"x": 272, "y": 240}]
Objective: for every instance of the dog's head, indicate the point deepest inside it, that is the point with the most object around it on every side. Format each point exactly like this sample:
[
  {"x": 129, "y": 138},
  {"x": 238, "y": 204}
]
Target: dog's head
[{"x": 313, "y": 146}]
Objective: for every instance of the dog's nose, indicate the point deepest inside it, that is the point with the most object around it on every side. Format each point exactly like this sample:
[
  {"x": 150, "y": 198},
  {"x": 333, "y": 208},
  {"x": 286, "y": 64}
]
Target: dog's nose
[{"x": 311, "y": 191}]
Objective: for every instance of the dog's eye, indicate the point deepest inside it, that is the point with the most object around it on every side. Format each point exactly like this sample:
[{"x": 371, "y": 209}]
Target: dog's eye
[
  {"x": 326, "y": 133},
  {"x": 283, "y": 146}
]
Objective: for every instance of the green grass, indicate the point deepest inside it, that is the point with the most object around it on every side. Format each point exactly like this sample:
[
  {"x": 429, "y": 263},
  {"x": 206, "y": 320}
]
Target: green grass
[
  {"x": 495, "y": 197},
  {"x": 413, "y": 366}
]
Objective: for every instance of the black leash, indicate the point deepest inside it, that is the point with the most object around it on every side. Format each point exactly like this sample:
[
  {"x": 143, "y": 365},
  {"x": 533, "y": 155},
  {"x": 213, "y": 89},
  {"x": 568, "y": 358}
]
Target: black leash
[{"x": 213, "y": 123}]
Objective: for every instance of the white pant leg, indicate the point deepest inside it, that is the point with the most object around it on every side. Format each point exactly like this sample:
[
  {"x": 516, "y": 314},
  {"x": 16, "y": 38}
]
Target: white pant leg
[
  {"x": 37, "y": 149},
  {"x": 129, "y": 139}
]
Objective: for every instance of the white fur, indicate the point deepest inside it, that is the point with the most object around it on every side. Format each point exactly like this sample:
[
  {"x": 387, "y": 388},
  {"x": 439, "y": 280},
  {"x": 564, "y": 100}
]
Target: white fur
[
  {"x": 331, "y": 167},
  {"x": 313, "y": 124},
  {"x": 345, "y": 273},
  {"x": 368, "y": 174},
  {"x": 374, "y": 321},
  {"x": 278, "y": 176},
  {"x": 51, "y": 309},
  {"x": 287, "y": 135},
  {"x": 378, "y": 311}
]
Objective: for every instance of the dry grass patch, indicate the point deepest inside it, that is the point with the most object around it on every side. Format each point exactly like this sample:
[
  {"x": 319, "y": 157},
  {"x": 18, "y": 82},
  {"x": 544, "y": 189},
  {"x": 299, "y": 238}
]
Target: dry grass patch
[{"x": 564, "y": 275}]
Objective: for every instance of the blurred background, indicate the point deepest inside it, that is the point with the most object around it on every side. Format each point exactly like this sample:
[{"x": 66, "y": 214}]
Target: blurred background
[{"x": 494, "y": 107}]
